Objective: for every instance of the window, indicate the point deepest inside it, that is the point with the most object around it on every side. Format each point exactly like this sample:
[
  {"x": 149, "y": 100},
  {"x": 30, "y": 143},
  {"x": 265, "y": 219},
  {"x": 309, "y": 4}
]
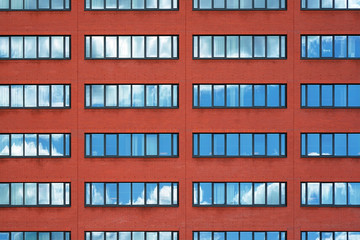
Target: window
[
  {"x": 35, "y": 96},
  {"x": 135, "y": 235},
  {"x": 131, "y": 145},
  {"x": 34, "y": 5},
  {"x": 132, "y": 96},
  {"x": 330, "y": 95},
  {"x": 239, "y": 5},
  {"x": 131, "y": 47},
  {"x": 239, "y": 96},
  {"x": 131, "y": 5},
  {"x": 235, "y": 235},
  {"x": 330, "y": 46},
  {"x": 19, "y": 194},
  {"x": 330, "y": 5},
  {"x": 34, "y": 145},
  {"x": 239, "y": 47},
  {"x": 330, "y": 145},
  {"x": 239, "y": 144},
  {"x": 239, "y": 194},
  {"x": 330, "y": 235},
  {"x": 330, "y": 194},
  {"x": 127, "y": 194},
  {"x": 35, "y": 235},
  {"x": 34, "y": 47}
]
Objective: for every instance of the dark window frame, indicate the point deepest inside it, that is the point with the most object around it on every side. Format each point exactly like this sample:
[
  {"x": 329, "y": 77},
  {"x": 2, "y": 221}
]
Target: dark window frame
[
  {"x": 37, "y": 47},
  {"x": 131, "y": 205},
  {"x": 37, "y": 195},
  {"x": 37, "y": 7},
  {"x": 37, "y": 146},
  {"x": 320, "y": 196},
  {"x": 131, "y": 90},
  {"x": 320, "y": 145},
  {"x": 244, "y": 107},
  {"x": 320, "y": 234},
  {"x": 320, "y": 96},
  {"x": 37, "y": 234},
  {"x": 239, "y": 156},
  {"x": 173, "y": 233},
  {"x": 253, "y": 233},
  {"x": 131, "y": 47},
  {"x": 131, "y": 9},
  {"x": 239, "y": 9},
  {"x": 326, "y": 9},
  {"x": 239, "y": 205},
  {"x": 320, "y": 47},
  {"x": 37, "y": 96},
  {"x": 238, "y": 58}
]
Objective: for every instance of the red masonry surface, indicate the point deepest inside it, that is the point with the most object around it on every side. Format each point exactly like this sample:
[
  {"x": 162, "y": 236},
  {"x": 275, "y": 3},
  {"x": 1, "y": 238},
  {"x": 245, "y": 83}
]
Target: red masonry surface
[{"x": 185, "y": 120}]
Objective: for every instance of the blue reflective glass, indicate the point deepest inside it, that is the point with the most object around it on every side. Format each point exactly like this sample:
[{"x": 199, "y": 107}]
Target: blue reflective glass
[
  {"x": 246, "y": 194},
  {"x": 232, "y": 144},
  {"x": 313, "y": 92},
  {"x": 205, "y": 236},
  {"x": 273, "y": 236},
  {"x": 232, "y": 236},
  {"x": 313, "y": 193},
  {"x": 354, "y": 95},
  {"x": 340, "y": 95},
  {"x": 219, "y": 235},
  {"x": 326, "y": 144},
  {"x": 340, "y": 193},
  {"x": 97, "y": 145},
  {"x": 313, "y": 235},
  {"x": 259, "y": 235},
  {"x": 303, "y": 95},
  {"x": 138, "y": 95},
  {"x": 326, "y": 193},
  {"x": 313, "y": 144},
  {"x": 124, "y": 144},
  {"x": 195, "y": 92},
  {"x": 232, "y": 95},
  {"x": 151, "y": 144},
  {"x": 31, "y": 236},
  {"x": 219, "y": 144},
  {"x": 138, "y": 194},
  {"x": 326, "y": 95},
  {"x": 111, "y": 193},
  {"x": 303, "y": 46},
  {"x": 19, "y": 236},
  {"x": 206, "y": 4},
  {"x": 303, "y": 144},
  {"x": 164, "y": 144},
  {"x": 326, "y": 46},
  {"x": 219, "y": 193},
  {"x": 205, "y": 144},
  {"x": 124, "y": 193},
  {"x": 354, "y": 144},
  {"x": 57, "y": 144},
  {"x": 245, "y": 144},
  {"x": 340, "y": 46},
  {"x": 97, "y": 194},
  {"x": 354, "y": 193},
  {"x": 232, "y": 193},
  {"x": 246, "y": 95},
  {"x": 137, "y": 144},
  {"x": 205, "y": 96},
  {"x": 195, "y": 144},
  {"x": 111, "y": 144},
  {"x": 219, "y": 95},
  {"x": 273, "y": 144},
  {"x": 354, "y": 45},
  {"x": 273, "y": 95},
  {"x": 151, "y": 95},
  {"x": 313, "y": 46},
  {"x": 283, "y": 144},
  {"x": 175, "y": 144},
  {"x": 259, "y": 95},
  {"x": 340, "y": 141},
  {"x": 232, "y": 46},
  {"x": 205, "y": 194},
  {"x": 245, "y": 235},
  {"x": 259, "y": 144}
]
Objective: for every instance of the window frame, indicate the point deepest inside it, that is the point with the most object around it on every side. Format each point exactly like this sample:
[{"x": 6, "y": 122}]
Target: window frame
[
  {"x": 38, "y": 232},
  {"x": 37, "y": 7},
  {"x": 131, "y": 9},
  {"x": 320, "y": 234},
  {"x": 37, "y": 195},
  {"x": 131, "y": 47},
  {"x": 320, "y": 196},
  {"x": 131, "y": 99},
  {"x": 239, "y": 205},
  {"x": 325, "y": 9},
  {"x": 239, "y": 9},
  {"x": 239, "y": 232},
  {"x": 173, "y": 234},
  {"x": 131, "y": 205}
]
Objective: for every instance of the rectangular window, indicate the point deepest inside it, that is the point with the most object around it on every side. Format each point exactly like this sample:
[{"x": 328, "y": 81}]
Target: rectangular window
[
  {"x": 34, "y": 145},
  {"x": 236, "y": 235},
  {"x": 34, "y": 194},
  {"x": 132, "y": 5},
  {"x": 35, "y": 235},
  {"x": 234, "y": 5},
  {"x": 330, "y": 145},
  {"x": 330, "y": 95},
  {"x": 131, "y": 194},
  {"x": 239, "y": 145},
  {"x": 34, "y": 96},
  {"x": 131, "y": 96},
  {"x": 33, "y": 5},
  {"x": 135, "y": 235},
  {"x": 329, "y": 5},
  {"x": 131, "y": 47},
  {"x": 239, "y": 47},
  {"x": 239, "y": 96},
  {"x": 330, "y": 194},
  {"x": 239, "y": 194},
  {"x": 330, "y": 46},
  {"x": 34, "y": 47},
  {"x": 131, "y": 145}
]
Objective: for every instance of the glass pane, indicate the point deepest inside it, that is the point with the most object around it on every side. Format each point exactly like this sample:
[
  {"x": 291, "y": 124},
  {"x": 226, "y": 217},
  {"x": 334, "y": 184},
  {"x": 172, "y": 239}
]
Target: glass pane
[
  {"x": 17, "y": 146},
  {"x": 4, "y": 193},
  {"x": 165, "y": 95},
  {"x": 111, "y": 193},
  {"x": 165, "y": 47},
  {"x": 151, "y": 95},
  {"x": 273, "y": 95},
  {"x": 232, "y": 4},
  {"x": 219, "y": 144},
  {"x": 151, "y": 144},
  {"x": 340, "y": 46},
  {"x": 111, "y": 46},
  {"x": 273, "y": 145},
  {"x": 44, "y": 96},
  {"x": 232, "y": 46},
  {"x": 97, "y": 194},
  {"x": 164, "y": 144},
  {"x": 326, "y": 193},
  {"x": 30, "y": 47},
  {"x": 138, "y": 194},
  {"x": 57, "y": 144},
  {"x": 125, "y": 235},
  {"x": 205, "y": 4},
  {"x": 44, "y": 193},
  {"x": 340, "y": 4},
  {"x": 313, "y": 193},
  {"x": 138, "y": 95},
  {"x": 246, "y": 46},
  {"x": 151, "y": 46},
  {"x": 124, "y": 194},
  {"x": 44, "y": 144},
  {"x": 259, "y": 95},
  {"x": 273, "y": 193},
  {"x": 124, "y": 95},
  {"x": 30, "y": 96},
  {"x": 340, "y": 95},
  {"x": 326, "y": 46},
  {"x": 57, "y": 193},
  {"x": 17, "y": 193},
  {"x": 97, "y": 46},
  {"x": 110, "y": 4},
  {"x": 340, "y": 144},
  {"x": 57, "y": 47},
  {"x": 327, "y": 4},
  {"x": 354, "y": 95},
  {"x": 111, "y": 95},
  {"x": 57, "y": 4},
  {"x": 259, "y": 46},
  {"x": 326, "y": 95},
  {"x": 219, "y": 45},
  {"x": 137, "y": 45},
  {"x": 232, "y": 193},
  {"x": 259, "y": 3},
  {"x": 97, "y": 144},
  {"x": 137, "y": 144},
  {"x": 44, "y": 4},
  {"x": 313, "y": 3},
  {"x": 326, "y": 144},
  {"x": 4, "y": 144},
  {"x": 232, "y": 144},
  {"x": 30, "y": 193},
  {"x": 165, "y": 4},
  {"x": 246, "y": 193},
  {"x": 4, "y": 47},
  {"x": 111, "y": 144},
  {"x": 124, "y": 144},
  {"x": 259, "y": 194},
  {"x": 232, "y": 95},
  {"x": 17, "y": 47},
  {"x": 313, "y": 46},
  {"x": 30, "y": 144},
  {"x": 4, "y": 96},
  {"x": 354, "y": 4},
  {"x": 273, "y": 4},
  {"x": 313, "y": 144},
  {"x": 151, "y": 193},
  {"x": 205, "y": 145},
  {"x": 246, "y": 144},
  {"x": 340, "y": 193},
  {"x": 205, "y": 46},
  {"x": 124, "y": 42},
  {"x": 246, "y": 4},
  {"x": 246, "y": 98},
  {"x": 273, "y": 47},
  {"x": 97, "y": 95},
  {"x": 205, "y": 194},
  {"x": 219, "y": 193},
  {"x": 17, "y": 96},
  {"x": 354, "y": 144},
  {"x": 165, "y": 194},
  {"x": 57, "y": 95},
  {"x": 259, "y": 144}
]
